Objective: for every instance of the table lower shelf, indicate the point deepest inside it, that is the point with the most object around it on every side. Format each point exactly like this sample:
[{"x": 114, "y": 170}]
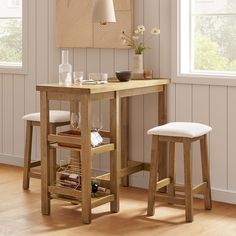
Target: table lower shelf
[
  {"x": 103, "y": 148},
  {"x": 75, "y": 196}
]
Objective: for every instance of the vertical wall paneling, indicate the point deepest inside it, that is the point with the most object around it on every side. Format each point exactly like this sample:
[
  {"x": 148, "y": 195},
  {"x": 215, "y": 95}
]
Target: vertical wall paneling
[
  {"x": 80, "y": 60},
  {"x": 165, "y": 38},
  {"x": 42, "y": 50},
  {"x": 8, "y": 114},
  {"x": 136, "y": 107},
  {"x": 201, "y": 114},
  {"x": 151, "y": 60},
  {"x": 18, "y": 110},
  {"x": 218, "y": 136},
  {"x": 53, "y": 52},
  {"x": 231, "y": 138},
  {"x": 183, "y": 113},
  {"x": 171, "y": 102},
  {"x": 214, "y": 105},
  {"x": 151, "y": 19},
  {"x": 30, "y": 78}
]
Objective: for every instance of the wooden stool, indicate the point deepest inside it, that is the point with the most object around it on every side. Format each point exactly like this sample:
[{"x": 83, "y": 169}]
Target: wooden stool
[
  {"x": 186, "y": 133},
  {"x": 56, "y": 119}
]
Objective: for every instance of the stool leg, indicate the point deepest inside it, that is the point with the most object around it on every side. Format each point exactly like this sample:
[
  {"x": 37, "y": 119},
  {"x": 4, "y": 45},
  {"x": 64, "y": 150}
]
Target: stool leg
[
  {"x": 172, "y": 170},
  {"x": 53, "y": 158},
  {"x": 27, "y": 154},
  {"x": 188, "y": 181},
  {"x": 153, "y": 175},
  {"x": 206, "y": 172}
]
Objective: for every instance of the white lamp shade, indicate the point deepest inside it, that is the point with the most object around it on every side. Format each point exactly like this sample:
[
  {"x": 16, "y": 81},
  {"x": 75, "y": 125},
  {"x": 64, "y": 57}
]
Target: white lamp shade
[{"x": 104, "y": 12}]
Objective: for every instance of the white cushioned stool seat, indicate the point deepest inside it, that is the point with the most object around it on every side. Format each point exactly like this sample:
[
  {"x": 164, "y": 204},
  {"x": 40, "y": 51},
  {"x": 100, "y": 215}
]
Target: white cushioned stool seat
[
  {"x": 54, "y": 116},
  {"x": 181, "y": 129}
]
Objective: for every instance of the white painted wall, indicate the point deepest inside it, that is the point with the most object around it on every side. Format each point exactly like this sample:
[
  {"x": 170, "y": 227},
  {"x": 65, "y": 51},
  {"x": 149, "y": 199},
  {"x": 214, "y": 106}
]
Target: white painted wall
[{"x": 214, "y": 105}]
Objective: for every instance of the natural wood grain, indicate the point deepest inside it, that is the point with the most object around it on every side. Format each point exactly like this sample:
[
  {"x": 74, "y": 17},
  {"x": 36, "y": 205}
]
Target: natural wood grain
[
  {"x": 115, "y": 158},
  {"x": 124, "y": 137},
  {"x": 173, "y": 200},
  {"x": 188, "y": 181},
  {"x": 103, "y": 88},
  {"x": 153, "y": 174},
  {"x": 45, "y": 155},
  {"x": 162, "y": 119},
  {"x": 172, "y": 169},
  {"x": 85, "y": 95},
  {"x": 162, "y": 183},
  {"x": 72, "y": 15},
  {"x": 27, "y": 154},
  {"x": 189, "y": 191},
  {"x": 206, "y": 172},
  {"x": 52, "y": 156},
  {"x": 86, "y": 158},
  {"x": 21, "y": 215}
]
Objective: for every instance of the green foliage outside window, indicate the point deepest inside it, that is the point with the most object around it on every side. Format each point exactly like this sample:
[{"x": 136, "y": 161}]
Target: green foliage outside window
[
  {"x": 215, "y": 41},
  {"x": 11, "y": 40}
]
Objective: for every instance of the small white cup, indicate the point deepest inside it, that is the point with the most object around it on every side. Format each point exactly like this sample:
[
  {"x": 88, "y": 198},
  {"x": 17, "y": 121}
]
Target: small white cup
[
  {"x": 78, "y": 77},
  {"x": 104, "y": 77}
]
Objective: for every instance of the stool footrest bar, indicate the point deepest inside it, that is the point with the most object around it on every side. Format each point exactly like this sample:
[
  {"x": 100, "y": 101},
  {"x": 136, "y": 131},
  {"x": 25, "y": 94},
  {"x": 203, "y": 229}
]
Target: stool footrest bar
[
  {"x": 200, "y": 188},
  {"x": 162, "y": 183},
  {"x": 165, "y": 198}
]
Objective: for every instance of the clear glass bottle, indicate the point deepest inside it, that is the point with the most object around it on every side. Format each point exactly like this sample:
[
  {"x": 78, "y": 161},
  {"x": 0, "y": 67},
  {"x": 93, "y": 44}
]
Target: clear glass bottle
[{"x": 65, "y": 69}]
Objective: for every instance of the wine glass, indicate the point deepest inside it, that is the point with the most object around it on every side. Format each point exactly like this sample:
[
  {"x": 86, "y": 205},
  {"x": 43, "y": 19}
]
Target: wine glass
[
  {"x": 96, "y": 123},
  {"x": 75, "y": 120}
]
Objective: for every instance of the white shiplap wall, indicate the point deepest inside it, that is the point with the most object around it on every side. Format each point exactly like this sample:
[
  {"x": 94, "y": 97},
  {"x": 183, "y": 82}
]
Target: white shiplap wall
[{"x": 214, "y": 105}]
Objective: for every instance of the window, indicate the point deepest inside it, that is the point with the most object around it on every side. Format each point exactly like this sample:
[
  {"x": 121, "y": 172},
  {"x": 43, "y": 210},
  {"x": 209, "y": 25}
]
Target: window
[
  {"x": 206, "y": 37},
  {"x": 14, "y": 3},
  {"x": 12, "y": 36}
]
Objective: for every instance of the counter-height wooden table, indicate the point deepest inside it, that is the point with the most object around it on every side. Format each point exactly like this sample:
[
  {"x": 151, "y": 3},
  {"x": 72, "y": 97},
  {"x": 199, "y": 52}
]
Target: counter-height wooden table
[{"x": 120, "y": 166}]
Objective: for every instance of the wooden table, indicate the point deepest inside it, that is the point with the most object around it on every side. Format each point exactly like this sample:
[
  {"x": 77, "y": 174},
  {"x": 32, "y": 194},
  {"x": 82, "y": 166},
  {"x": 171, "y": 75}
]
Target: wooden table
[{"x": 117, "y": 93}]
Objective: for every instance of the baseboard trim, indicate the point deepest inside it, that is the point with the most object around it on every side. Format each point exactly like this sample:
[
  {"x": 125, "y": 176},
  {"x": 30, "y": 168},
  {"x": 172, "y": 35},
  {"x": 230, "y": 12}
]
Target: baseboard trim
[{"x": 11, "y": 160}]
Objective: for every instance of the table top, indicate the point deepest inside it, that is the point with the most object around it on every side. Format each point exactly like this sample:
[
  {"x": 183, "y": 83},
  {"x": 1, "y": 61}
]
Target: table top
[{"x": 111, "y": 86}]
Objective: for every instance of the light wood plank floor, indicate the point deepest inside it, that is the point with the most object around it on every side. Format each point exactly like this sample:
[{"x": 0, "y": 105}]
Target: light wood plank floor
[{"x": 20, "y": 214}]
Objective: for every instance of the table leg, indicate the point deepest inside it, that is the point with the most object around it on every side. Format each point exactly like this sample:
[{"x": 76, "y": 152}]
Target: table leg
[
  {"x": 75, "y": 159},
  {"x": 125, "y": 137},
  {"x": 115, "y": 155},
  {"x": 53, "y": 157},
  {"x": 86, "y": 158},
  {"x": 45, "y": 162},
  {"x": 162, "y": 119}
]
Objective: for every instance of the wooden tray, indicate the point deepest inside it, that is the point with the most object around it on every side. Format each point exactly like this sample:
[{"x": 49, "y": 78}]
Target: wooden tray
[{"x": 71, "y": 133}]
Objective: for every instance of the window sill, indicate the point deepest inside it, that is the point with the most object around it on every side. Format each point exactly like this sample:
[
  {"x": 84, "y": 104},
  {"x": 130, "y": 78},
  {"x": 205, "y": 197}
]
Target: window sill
[
  {"x": 204, "y": 79},
  {"x": 13, "y": 70}
]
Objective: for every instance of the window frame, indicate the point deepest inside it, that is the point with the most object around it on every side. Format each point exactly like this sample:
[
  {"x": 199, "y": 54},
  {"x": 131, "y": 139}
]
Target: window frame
[
  {"x": 211, "y": 78},
  {"x": 23, "y": 69},
  {"x": 11, "y": 5}
]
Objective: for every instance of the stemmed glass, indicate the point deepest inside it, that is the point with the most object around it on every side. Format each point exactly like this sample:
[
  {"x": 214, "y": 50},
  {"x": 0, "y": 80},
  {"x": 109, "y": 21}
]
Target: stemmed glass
[
  {"x": 96, "y": 126},
  {"x": 75, "y": 120},
  {"x": 96, "y": 123}
]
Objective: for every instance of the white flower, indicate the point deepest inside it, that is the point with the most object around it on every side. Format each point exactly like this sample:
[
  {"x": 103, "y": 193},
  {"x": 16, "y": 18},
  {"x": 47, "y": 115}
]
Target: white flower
[
  {"x": 141, "y": 28},
  {"x": 155, "y": 31},
  {"x": 136, "y": 31},
  {"x": 135, "y": 37},
  {"x": 123, "y": 39}
]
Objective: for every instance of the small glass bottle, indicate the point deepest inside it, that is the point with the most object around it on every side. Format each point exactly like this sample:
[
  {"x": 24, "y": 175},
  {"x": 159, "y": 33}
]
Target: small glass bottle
[{"x": 65, "y": 69}]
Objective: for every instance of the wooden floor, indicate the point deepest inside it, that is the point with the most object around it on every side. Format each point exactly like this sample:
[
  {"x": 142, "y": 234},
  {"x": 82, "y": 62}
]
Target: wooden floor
[{"x": 20, "y": 214}]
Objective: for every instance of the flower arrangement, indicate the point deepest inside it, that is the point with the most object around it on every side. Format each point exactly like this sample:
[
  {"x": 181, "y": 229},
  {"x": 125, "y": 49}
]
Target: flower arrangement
[{"x": 136, "y": 41}]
